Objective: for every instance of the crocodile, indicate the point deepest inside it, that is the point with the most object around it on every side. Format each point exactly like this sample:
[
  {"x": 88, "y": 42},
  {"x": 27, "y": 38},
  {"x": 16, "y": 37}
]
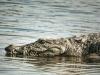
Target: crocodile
[{"x": 78, "y": 46}]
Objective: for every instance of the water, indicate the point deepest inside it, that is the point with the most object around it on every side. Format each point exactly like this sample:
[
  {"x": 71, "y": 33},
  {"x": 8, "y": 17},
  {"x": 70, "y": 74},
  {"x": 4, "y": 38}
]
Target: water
[{"x": 24, "y": 21}]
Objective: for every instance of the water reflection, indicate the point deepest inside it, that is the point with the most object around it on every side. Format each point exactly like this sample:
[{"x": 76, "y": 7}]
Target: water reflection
[
  {"x": 55, "y": 66},
  {"x": 55, "y": 60}
]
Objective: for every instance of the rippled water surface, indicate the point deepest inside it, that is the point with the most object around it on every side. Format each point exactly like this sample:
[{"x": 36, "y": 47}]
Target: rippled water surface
[{"x": 24, "y": 21}]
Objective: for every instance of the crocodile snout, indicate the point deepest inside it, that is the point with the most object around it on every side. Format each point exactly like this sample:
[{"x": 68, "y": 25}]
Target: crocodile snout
[{"x": 10, "y": 49}]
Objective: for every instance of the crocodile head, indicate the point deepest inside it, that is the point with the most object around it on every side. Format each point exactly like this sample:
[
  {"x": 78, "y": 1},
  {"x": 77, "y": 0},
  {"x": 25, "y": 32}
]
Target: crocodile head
[{"x": 12, "y": 50}]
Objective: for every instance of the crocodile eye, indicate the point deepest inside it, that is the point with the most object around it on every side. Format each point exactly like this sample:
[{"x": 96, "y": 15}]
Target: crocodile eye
[{"x": 41, "y": 41}]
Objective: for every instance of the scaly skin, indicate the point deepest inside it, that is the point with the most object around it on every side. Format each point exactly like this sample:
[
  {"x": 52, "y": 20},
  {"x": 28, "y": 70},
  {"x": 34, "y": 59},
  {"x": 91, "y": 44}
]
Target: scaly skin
[{"x": 73, "y": 46}]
